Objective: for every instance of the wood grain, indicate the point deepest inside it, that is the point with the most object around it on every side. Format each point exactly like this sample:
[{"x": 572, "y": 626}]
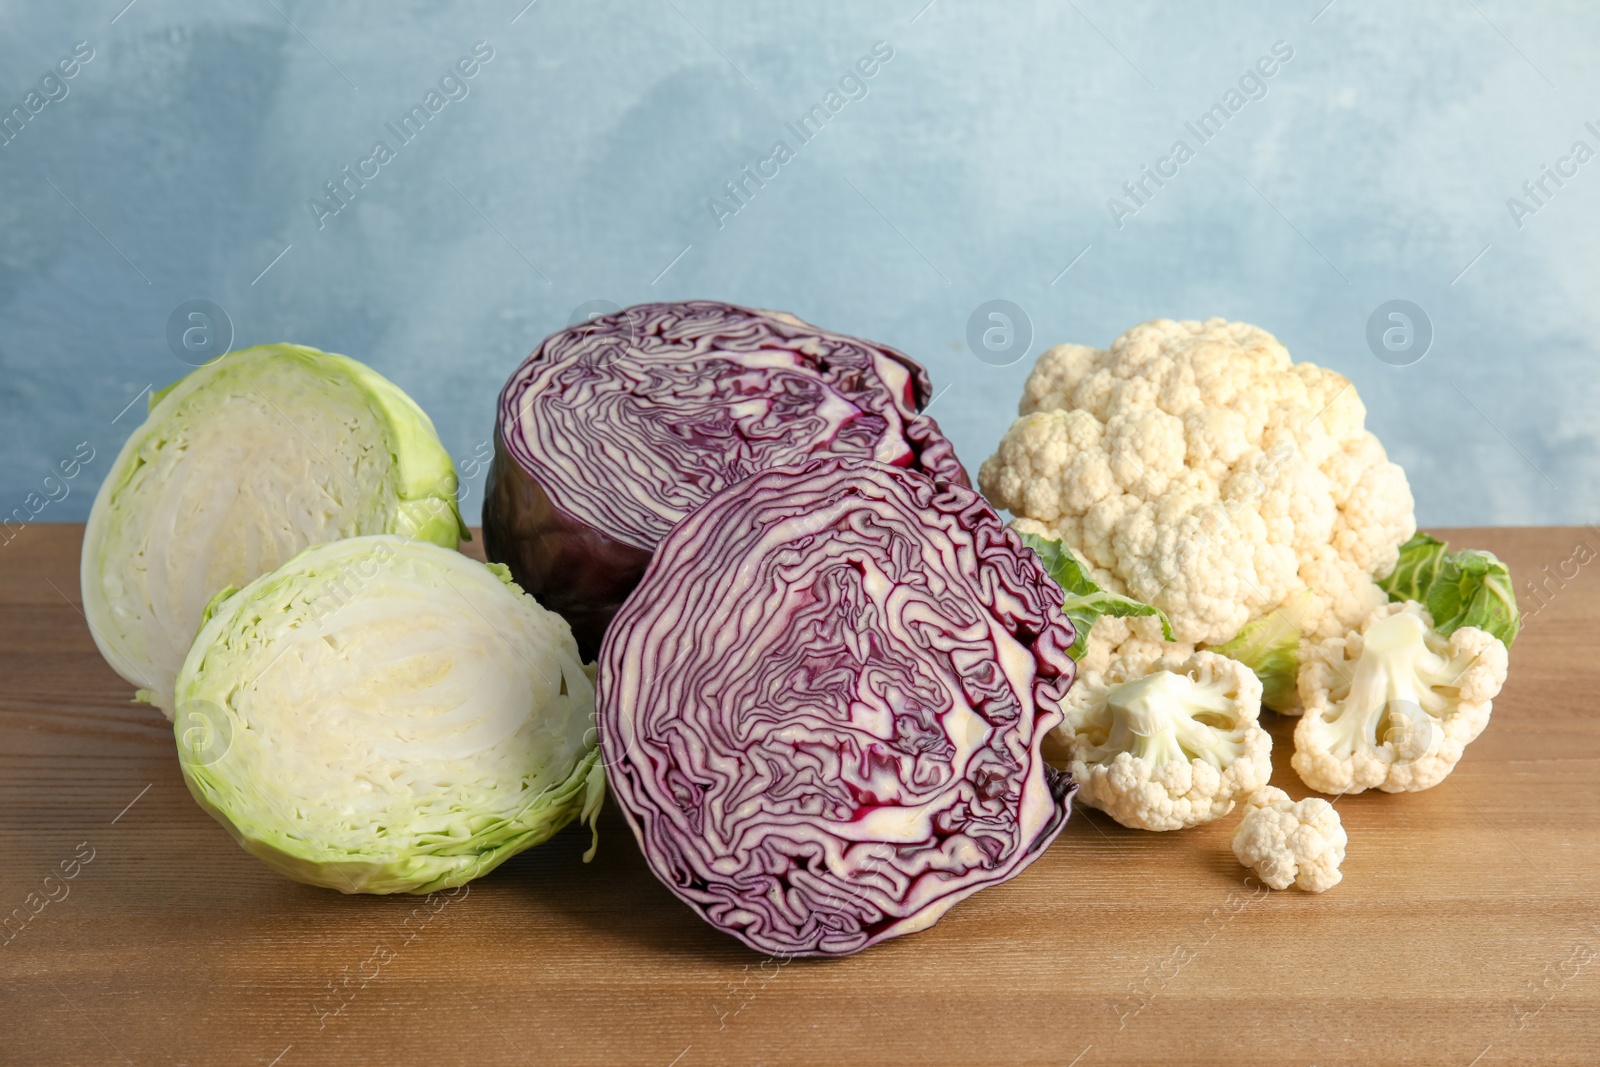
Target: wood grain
[{"x": 1462, "y": 933}]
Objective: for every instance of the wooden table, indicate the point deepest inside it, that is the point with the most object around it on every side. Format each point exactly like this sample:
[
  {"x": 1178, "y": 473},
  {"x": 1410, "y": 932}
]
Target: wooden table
[{"x": 1466, "y": 931}]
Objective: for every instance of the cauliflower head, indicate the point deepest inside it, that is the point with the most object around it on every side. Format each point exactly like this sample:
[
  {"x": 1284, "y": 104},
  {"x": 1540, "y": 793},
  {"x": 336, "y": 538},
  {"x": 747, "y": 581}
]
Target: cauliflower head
[
  {"x": 1288, "y": 843},
  {"x": 1194, "y": 466},
  {"x": 1393, "y": 705},
  {"x": 1164, "y": 743}
]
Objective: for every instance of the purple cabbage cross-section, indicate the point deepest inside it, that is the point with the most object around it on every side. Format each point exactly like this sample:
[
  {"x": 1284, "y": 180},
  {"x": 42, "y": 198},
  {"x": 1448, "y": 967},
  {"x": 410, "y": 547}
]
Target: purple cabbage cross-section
[
  {"x": 615, "y": 429},
  {"x": 822, "y": 710}
]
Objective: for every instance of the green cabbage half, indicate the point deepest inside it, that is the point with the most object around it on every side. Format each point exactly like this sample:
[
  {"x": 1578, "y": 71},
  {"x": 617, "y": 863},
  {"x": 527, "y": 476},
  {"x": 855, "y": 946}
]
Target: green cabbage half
[
  {"x": 239, "y": 466},
  {"x": 381, "y": 715}
]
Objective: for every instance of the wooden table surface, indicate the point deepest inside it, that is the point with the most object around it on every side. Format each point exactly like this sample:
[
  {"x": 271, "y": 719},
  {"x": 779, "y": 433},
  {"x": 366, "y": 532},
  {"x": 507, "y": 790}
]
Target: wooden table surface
[{"x": 1466, "y": 931}]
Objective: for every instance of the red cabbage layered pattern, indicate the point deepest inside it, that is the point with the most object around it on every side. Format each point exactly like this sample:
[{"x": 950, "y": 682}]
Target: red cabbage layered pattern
[
  {"x": 615, "y": 429},
  {"x": 822, "y": 710}
]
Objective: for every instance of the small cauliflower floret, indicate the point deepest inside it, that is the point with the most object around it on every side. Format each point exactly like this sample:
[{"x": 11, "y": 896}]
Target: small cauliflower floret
[
  {"x": 1209, "y": 474},
  {"x": 1288, "y": 843},
  {"x": 1168, "y": 743},
  {"x": 1393, "y": 706}
]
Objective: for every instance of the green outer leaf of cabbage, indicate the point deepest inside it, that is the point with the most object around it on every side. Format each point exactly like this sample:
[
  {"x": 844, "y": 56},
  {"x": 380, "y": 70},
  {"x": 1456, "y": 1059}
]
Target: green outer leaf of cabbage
[
  {"x": 1469, "y": 588},
  {"x": 1083, "y": 599},
  {"x": 579, "y": 795},
  {"x": 424, "y": 482}
]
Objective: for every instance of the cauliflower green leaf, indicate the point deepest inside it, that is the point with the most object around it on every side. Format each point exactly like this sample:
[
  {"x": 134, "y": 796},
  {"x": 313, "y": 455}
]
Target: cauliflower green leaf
[
  {"x": 1085, "y": 601},
  {"x": 1270, "y": 646},
  {"x": 1469, "y": 588}
]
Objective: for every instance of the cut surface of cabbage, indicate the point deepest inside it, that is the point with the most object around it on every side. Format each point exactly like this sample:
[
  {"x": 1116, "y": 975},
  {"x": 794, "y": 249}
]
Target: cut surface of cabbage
[
  {"x": 238, "y": 467},
  {"x": 385, "y": 715},
  {"x": 822, "y": 709}
]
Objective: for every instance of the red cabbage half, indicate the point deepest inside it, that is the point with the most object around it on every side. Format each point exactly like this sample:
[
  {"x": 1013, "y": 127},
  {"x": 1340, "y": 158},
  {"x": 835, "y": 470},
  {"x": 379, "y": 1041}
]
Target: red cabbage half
[
  {"x": 821, "y": 711},
  {"x": 615, "y": 429}
]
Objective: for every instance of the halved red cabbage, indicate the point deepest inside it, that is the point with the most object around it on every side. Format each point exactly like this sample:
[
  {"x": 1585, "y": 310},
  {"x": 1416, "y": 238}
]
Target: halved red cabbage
[
  {"x": 614, "y": 429},
  {"x": 821, "y": 711}
]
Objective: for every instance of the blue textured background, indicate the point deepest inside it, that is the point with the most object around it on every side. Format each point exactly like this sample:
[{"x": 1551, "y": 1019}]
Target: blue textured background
[{"x": 181, "y": 161}]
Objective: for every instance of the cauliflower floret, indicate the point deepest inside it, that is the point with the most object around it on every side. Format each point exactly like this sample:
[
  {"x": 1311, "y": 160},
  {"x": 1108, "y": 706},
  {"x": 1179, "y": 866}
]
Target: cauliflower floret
[
  {"x": 1164, "y": 743},
  {"x": 1342, "y": 594},
  {"x": 1394, "y": 705},
  {"x": 1130, "y": 641},
  {"x": 1208, "y": 474},
  {"x": 1288, "y": 843}
]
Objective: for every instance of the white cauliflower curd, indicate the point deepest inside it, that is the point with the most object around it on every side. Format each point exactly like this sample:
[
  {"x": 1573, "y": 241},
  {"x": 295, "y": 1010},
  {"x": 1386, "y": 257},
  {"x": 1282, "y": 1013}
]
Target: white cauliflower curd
[
  {"x": 1393, "y": 705},
  {"x": 1291, "y": 843},
  {"x": 1195, "y": 467},
  {"x": 1166, "y": 743}
]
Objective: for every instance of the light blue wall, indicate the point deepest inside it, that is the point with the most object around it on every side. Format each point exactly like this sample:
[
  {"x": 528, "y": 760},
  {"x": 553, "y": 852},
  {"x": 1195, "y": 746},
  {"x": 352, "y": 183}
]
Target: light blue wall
[{"x": 978, "y": 165}]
